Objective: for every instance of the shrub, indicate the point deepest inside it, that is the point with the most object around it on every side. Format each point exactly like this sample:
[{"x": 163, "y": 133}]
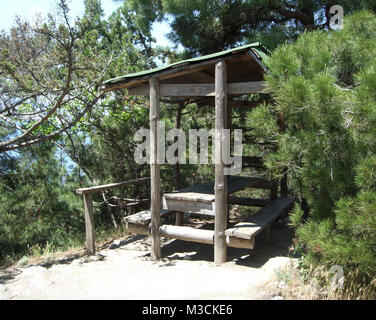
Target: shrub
[{"x": 324, "y": 88}]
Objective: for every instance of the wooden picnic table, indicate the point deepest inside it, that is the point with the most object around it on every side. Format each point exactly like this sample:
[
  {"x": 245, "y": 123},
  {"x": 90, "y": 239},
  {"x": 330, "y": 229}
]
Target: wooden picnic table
[{"x": 200, "y": 198}]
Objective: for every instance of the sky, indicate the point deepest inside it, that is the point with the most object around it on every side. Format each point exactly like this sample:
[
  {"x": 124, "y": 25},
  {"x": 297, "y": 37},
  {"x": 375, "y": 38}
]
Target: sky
[{"x": 29, "y": 8}]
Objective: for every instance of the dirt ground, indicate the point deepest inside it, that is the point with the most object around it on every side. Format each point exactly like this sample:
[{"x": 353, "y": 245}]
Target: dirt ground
[{"x": 185, "y": 272}]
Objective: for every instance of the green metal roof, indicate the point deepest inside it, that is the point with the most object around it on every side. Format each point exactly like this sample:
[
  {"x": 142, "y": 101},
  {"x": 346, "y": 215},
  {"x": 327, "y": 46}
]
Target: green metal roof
[{"x": 257, "y": 47}]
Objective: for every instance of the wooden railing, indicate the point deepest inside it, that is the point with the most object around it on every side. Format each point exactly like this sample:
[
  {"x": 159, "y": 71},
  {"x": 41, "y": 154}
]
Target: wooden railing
[{"x": 88, "y": 205}]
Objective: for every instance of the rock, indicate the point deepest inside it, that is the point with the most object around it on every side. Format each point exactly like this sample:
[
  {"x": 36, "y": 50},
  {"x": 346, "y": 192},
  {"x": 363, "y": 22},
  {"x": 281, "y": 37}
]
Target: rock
[
  {"x": 114, "y": 245},
  {"x": 282, "y": 285},
  {"x": 76, "y": 262},
  {"x": 97, "y": 257},
  {"x": 277, "y": 298}
]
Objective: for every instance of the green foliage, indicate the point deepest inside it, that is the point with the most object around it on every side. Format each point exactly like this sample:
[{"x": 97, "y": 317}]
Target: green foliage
[
  {"x": 39, "y": 208},
  {"x": 324, "y": 99},
  {"x": 36, "y": 204},
  {"x": 207, "y": 26},
  {"x": 365, "y": 177}
]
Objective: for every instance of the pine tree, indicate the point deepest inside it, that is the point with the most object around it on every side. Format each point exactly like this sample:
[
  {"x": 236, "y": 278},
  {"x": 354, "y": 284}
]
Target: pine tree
[{"x": 324, "y": 88}]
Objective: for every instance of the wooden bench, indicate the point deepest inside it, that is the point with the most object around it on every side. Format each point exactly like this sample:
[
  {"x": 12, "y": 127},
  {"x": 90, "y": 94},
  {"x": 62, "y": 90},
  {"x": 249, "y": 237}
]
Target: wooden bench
[
  {"x": 261, "y": 220},
  {"x": 242, "y": 235}
]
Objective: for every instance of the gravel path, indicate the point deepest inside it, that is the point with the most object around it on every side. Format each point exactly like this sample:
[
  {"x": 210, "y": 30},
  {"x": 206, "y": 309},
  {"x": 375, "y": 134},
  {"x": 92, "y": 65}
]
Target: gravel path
[{"x": 185, "y": 272}]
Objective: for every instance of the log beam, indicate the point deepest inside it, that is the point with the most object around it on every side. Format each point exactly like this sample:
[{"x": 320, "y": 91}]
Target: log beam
[
  {"x": 201, "y": 236},
  {"x": 112, "y": 186},
  {"x": 202, "y": 89}
]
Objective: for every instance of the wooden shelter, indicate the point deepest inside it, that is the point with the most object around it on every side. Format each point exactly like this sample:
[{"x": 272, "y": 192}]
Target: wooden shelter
[{"x": 216, "y": 79}]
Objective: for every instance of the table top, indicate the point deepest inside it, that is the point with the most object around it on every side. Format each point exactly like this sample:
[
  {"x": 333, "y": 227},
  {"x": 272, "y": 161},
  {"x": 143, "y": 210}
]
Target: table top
[{"x": 205, "y": 191}]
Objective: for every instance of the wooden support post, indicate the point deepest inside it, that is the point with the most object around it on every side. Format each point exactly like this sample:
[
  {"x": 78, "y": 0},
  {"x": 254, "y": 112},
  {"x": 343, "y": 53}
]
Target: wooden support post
[
  {"x": 89, "y": 223},
  {"x": 179, "y": 217},
  {"x": 274, "y": 189},
  {"x": 229, "y": 126},
  {"x": 284, "y": 187},
  {"x": 220, "y": 186},
  {"x": 154, "y": 170}
]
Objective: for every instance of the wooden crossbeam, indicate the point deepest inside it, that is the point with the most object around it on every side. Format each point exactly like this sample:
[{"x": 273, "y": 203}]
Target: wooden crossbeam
[
  {"x": 202, "y": 89},
  {"x": 202, "y": 236},
  {"x": 112, "y": 186}
]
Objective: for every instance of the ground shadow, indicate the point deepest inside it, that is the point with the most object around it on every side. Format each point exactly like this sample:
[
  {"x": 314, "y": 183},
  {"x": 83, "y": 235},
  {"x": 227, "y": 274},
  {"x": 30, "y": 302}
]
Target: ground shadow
[
  {"x": 8, "y": 275},
  {"x": 280, "y": 245}
]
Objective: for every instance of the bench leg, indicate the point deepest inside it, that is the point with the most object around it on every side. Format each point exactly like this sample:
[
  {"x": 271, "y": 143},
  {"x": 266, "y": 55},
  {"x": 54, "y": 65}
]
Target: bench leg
[
  {"x": 179, "y": 217},
  {"x": 268, "y": 233}
]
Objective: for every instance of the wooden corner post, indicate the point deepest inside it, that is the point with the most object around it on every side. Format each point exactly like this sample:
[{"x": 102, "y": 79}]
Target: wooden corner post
[
  {"x": 220, "y": 186},
  {"x": 155, "y": 169},
  {"x": 89, "y": 222}
]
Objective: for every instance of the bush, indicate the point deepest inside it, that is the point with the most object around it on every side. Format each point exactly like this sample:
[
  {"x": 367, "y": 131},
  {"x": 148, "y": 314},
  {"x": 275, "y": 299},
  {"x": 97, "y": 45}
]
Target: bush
[
  {"x": 324, "y": 89},
  {"x": 38, "y": 208}
]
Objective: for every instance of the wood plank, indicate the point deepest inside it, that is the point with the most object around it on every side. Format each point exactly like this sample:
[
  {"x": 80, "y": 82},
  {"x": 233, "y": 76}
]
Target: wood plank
[
  {"x": 191, "y": 206},
  {"x": 209, "y": 101},
  {"x": 251, "y": 202},
  {"x": 178, "y": 90},
  {"x": 89, "y": 223},
  {"x": 240, "y": 243},
  {"x": 244, "y": 104},
  {"x": 112, "y": 185},
  {"x": 190, "y": 196},
  {"x": 265, "y": 184},
  {"x": 133, "y": 228},
  {"x": 261, "y": 219},
  {"x": 239, "y": 88},
  {"x": 144, "y": 217},
  {"x": 238, "y": 183},
  {"x": 202, "y": 89},
  {"x": 155, "y": 176},
  {"x": 202, "y": 192}
]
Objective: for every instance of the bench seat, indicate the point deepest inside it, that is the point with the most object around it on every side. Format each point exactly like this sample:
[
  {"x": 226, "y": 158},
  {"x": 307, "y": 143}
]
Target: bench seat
[{"x": 261, "y": 219}]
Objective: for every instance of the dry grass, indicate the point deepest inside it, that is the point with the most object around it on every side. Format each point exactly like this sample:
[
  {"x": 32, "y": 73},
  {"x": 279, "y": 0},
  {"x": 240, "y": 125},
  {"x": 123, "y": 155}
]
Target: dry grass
[
  {"x": 297, "y": 283},
  {"x": 47, "y": 255}
]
